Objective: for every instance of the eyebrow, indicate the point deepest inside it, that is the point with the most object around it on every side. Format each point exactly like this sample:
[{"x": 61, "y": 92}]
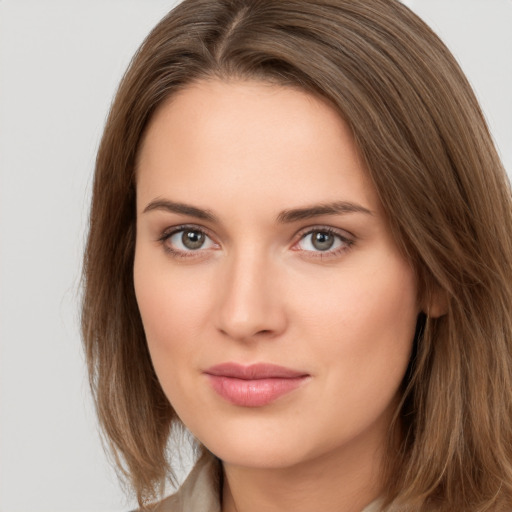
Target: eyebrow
[
  {"x": 284, "y": 217},
  {"x": 182, "y": 208},
  {"x": 309, "y": 212}
]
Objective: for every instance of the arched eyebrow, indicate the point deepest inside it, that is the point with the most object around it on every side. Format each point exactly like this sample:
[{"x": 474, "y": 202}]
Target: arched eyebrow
[
  {"x": 284, "y": 217},
  {"x": 309, "y": 212},
  {"x": 182, "y": 208}
]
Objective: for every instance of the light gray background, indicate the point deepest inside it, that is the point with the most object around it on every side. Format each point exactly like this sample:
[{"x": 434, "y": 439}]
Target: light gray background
[{"x": 60, "y": 63}]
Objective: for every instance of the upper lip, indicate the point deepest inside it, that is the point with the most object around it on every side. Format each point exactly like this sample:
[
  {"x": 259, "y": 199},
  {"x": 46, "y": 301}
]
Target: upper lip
[{"x": 254, "y": 371}]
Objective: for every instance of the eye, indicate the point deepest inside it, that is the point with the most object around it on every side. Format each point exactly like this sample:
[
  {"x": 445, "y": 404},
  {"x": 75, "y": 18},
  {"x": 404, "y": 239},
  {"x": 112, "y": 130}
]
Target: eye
[
  {"x": 187, "y": 240},
  {"x": 324, "y": 241}
]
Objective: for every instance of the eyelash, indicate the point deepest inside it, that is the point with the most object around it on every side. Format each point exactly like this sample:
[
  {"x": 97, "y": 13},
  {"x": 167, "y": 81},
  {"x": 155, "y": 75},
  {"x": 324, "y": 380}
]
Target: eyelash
[
  {"x": 347, "y": 242},
  {"x": 176, "y": 253}
]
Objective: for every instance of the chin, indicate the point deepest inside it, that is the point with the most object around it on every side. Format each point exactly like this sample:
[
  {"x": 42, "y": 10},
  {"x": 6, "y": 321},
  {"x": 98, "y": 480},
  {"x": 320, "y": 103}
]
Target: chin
[
  {"x": 259, "y": 457},
  {"x": 267, "y": 448},
  {"x": 253, "y": 447}
]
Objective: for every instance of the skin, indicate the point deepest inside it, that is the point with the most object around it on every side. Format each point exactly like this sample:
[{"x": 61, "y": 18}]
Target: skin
[{"x": 260, "y": 290}]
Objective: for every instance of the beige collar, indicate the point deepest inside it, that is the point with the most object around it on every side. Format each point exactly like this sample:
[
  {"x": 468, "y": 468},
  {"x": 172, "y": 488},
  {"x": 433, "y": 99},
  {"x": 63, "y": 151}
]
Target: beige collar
[{"x": 200, "y": 491}]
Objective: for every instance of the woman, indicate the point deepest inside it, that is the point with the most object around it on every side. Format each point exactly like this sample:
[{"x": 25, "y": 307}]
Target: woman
[{"x": 300, "y": 249}]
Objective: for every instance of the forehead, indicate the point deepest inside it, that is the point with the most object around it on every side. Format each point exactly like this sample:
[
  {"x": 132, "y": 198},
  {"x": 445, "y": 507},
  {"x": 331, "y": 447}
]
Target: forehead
[{"x": 250, "y": 138}]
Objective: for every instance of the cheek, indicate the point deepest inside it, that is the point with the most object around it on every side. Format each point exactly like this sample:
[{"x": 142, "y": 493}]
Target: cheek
[
  {"x": 364, "y": 324},
  {"x": 173, "y": 309},
  {"x": 360, "y": 300}
]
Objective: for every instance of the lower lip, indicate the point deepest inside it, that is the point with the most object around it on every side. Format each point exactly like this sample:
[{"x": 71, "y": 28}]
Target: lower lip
[{"x": 255, "y": 392}]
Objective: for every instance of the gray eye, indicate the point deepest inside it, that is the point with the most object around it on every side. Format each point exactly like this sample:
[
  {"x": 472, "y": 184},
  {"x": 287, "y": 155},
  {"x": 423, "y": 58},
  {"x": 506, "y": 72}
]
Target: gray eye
[
  {"x": 189, "y": 240},
  {"x": 322, "y": 241},
  {"x": 192, "y": 239}
]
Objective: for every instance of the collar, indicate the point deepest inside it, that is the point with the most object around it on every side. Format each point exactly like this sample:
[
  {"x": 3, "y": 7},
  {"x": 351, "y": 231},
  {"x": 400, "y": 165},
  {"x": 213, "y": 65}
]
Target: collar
[{"x": 200, "y": 492}]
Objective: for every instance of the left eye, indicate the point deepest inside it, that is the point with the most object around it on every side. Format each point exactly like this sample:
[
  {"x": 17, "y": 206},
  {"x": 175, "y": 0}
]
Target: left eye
[
  {"x": 186, "y": 240},
  {"x": 322, "y": 240}
]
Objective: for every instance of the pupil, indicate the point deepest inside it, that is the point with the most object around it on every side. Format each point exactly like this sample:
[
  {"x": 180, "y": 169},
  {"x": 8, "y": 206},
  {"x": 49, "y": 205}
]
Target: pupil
[
  {"x": 322, "y": 241},
  {"x": 192, "y": 239}
]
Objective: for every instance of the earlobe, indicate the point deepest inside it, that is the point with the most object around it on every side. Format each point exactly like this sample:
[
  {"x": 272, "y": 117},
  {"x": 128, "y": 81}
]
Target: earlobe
[{"x": 436, "y": 304}]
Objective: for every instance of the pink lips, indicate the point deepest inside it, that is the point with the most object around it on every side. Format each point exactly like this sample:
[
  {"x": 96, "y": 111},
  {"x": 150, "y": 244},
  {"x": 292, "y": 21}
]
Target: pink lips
[{"x": 255, "y": 385}]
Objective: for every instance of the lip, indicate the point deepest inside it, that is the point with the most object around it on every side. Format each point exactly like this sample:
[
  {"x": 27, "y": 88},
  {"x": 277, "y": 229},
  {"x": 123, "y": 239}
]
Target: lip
[{"x": 254, "y": 385}]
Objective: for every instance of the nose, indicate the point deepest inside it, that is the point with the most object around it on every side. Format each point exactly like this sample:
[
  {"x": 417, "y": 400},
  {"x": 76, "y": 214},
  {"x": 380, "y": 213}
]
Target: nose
[{"x": 250, "y": 303}]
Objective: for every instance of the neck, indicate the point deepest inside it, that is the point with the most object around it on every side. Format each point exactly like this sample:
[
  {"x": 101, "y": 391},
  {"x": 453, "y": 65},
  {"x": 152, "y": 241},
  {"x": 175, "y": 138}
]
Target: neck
[{"x": 343, "y": 480}]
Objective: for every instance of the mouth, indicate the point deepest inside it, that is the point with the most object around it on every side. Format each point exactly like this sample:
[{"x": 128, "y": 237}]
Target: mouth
[{"x": 254, "y": 385}]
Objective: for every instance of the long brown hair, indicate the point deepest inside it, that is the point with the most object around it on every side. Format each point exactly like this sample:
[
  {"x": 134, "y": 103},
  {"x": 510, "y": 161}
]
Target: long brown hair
[{"x": 430, "y": 155}]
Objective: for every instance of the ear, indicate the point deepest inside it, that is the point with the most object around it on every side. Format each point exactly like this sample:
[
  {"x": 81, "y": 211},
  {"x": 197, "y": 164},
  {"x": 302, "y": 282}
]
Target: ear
[{"x": 436, "y": 303}]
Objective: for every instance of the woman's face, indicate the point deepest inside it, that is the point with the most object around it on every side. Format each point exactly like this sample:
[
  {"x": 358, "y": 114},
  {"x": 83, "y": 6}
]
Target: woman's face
[{"x": 278, "y": 311}]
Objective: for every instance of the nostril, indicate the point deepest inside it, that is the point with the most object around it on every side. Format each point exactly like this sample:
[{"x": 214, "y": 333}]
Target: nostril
[{"x": 246, "y": 335}]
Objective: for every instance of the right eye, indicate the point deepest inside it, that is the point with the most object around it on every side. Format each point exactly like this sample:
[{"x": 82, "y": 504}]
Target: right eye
[{"x": 187, "y": 240}]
